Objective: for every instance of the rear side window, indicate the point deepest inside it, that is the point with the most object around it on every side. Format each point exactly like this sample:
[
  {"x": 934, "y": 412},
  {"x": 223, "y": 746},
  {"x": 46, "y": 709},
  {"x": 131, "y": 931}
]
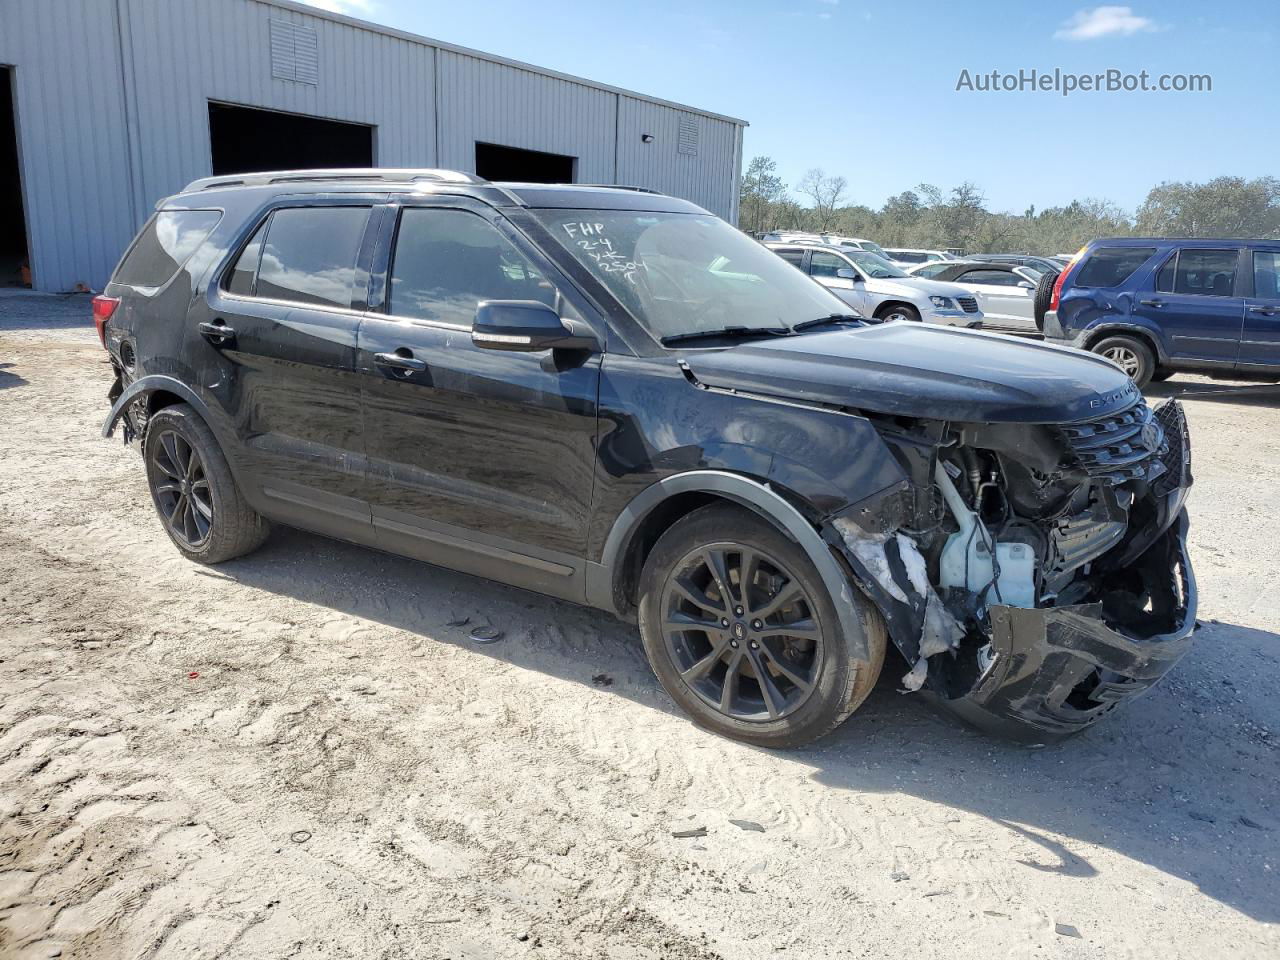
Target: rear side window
[
  {"x": 1206, "y": 273},
  {"x": 165, "y": 244},
  {"x": 995, "y": 278},
  {"x": 1112, "y": 266},
  {"x": 793, "y": 257},
  {"x": 308, "y": 255}
]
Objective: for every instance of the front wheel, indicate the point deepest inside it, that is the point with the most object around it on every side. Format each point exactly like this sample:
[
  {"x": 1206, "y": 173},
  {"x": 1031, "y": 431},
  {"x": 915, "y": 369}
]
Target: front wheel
[
  {"x": 1129, "y": 354},
  {"x": 741, "y": 632},
  {"x": 898, "y": 311}
]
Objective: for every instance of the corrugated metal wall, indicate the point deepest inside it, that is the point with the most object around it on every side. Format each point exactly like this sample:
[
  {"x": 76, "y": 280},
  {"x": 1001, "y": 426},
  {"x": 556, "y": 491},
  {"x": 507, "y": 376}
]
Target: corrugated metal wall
[{"x": 113, "y": 97}]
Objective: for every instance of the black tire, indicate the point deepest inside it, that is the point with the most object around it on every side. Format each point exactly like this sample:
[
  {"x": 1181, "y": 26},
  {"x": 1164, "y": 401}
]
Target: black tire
[
  {"x": 898, "y": 311},
  {"x": 1044, "y": 296},
  {"x": 195, "y": 497},
  {"x": 814, "y": 680},
  {"x": 1162, "y": 374},
  {"x": 1131, "y": 355}
]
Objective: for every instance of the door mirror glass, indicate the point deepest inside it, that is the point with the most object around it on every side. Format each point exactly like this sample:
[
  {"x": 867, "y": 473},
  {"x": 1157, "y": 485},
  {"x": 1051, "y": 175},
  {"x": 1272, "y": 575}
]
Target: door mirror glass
[
  {"x": 1026, "y": 285},
  {"x": 527, "y": 326},
  {"x": 847, "y": 273}
]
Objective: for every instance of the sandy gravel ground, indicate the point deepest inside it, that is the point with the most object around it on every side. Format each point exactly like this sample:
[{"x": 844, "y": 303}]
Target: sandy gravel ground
[{"x": 294, "y": 755}]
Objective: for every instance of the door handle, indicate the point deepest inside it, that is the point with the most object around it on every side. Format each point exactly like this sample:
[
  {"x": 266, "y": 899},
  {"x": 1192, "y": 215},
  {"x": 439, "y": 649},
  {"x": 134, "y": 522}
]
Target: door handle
[
  {"x": 1265, "y": 311},
  {"x": 1152, "y": 303},
  {"x": 217, "y": 333},
  {"x": 401, "y": 361}
]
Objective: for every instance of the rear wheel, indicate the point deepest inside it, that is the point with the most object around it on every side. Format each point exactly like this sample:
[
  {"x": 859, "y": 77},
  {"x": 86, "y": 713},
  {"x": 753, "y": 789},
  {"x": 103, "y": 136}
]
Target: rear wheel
[
  {"x": 199, "y": 504},
  {"x": 742, "y": 633},
  {"x": 898, "y": 311},
  {"x": 1129, "y": 354}
]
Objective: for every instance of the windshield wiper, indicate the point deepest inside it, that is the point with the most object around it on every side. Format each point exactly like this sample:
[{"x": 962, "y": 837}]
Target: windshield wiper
[
  {"x": 829, "y": 318},
  {"x": 727, "y": 332}
]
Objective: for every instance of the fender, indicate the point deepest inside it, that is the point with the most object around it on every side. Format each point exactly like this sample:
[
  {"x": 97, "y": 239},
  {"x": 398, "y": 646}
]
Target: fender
[
  {"x": 755, "y": 496},
  {"x": 150, "y": 384}
]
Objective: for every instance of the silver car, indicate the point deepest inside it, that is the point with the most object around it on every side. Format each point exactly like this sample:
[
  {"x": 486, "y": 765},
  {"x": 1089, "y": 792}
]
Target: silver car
[
  {"x": 1006, "y": 292},
  {"x": 874, "y": 287}
]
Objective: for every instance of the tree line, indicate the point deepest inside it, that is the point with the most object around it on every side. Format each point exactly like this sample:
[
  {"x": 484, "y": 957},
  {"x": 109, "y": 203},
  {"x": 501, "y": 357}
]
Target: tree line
[{"x": 933, "y": 218}]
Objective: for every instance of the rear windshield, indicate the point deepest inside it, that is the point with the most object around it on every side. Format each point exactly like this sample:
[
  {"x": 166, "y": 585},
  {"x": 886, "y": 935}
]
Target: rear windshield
[
  {"x": 1112, "y": 266},
  {"x": 164, "y": 245}
]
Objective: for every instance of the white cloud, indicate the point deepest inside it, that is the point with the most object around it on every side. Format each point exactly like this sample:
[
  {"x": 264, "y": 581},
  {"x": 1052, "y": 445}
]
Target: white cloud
[
  {"x": 834, "y": 3},
  {"x": 1104, "y": 22},
  {"x": 351, "y": 8}
]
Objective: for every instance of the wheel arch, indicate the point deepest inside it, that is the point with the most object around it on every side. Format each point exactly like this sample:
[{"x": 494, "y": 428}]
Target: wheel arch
[
  {"x": 1147, "y": 336},
  {"x": 613, "y": 582},
  {"x": 885, "y": 305}
]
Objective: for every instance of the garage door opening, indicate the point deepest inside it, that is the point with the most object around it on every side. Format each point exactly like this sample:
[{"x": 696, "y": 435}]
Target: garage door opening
[
  {"x": 526, "y": 166},
  {"x": 246, "y": 140},
  {"x": 13, "y": 225}
]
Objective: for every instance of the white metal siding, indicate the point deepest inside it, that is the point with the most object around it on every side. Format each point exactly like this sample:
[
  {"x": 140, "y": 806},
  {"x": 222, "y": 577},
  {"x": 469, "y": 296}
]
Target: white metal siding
[{"x": 112, "y": 105}]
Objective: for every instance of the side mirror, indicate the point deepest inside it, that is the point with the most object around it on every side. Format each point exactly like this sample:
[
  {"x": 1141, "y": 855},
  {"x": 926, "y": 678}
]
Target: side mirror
[
  {"x": 1026, "y": 285},
  {"x": 848, "y": 273},
  {"x": 527, "y": 326}
]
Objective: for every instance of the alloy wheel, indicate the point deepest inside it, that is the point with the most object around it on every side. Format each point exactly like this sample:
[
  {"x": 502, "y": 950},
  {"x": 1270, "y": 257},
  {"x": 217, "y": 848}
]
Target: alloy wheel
[
  {"x": 1124, "y": 358},
  {"x": 742, "y": 632},
  {"x": 181, "y": 489}
]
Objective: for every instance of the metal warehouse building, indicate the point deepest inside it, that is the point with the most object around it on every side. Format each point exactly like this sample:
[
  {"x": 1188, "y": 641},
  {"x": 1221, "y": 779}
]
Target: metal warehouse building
[{"x": 106, "y": 106}]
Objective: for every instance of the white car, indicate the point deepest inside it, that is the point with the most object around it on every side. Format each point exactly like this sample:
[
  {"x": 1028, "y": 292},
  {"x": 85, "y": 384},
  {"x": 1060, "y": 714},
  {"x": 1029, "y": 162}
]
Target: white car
[
  {"x": 906, "y": 256},
  {"x": 829, "y": 239},
  {"x": 874, "y": 287},
  {"x": 1006, "y": 292}
]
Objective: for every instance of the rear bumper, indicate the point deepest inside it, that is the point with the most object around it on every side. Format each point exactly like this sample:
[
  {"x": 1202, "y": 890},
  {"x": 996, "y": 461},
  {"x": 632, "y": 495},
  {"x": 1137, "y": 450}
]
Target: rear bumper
[
  {"x": 1054, "y": 671},
  {"x": 1053, "y": 332}
]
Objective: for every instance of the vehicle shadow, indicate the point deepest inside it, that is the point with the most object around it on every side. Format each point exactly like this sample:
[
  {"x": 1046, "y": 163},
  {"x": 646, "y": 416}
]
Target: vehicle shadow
[
  {"x": 8, "y": 379},
  {"x": 1183, "y": 780},
  {"x": 1237, "y": 393}
]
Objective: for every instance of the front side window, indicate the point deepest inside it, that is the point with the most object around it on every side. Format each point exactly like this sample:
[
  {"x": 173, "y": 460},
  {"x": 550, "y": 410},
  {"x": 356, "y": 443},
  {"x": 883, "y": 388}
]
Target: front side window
[
  {"x": 164, "y": 245},
  {"x": 447, "y": 261},
  {"x": 1266, "y": 274},
  {"x": 309, "y": 255},
  {"x": 1206, "y": 273},
  {"x": 1112, "y": 266},
  {"x": 825, "y": 264},
  {"x": 687, "y": 273}
]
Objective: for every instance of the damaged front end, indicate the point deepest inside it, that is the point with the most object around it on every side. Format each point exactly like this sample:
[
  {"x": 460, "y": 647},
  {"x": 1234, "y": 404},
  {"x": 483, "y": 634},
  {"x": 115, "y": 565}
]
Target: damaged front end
[{"x": 1033, "y": 575}]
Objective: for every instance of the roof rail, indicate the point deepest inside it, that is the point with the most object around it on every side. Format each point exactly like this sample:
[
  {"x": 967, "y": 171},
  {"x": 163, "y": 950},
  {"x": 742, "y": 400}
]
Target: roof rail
[
  {"x": 381, "y": 174},
  {"x": 613, "y": 186}
]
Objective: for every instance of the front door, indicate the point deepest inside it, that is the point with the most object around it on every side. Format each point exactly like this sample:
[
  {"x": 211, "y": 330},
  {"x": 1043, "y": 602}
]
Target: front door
[
  {"x": 1260, "y": 341},
  {"x": 1196, "y": 305},
  {"x": 825, "y": 268},
  {"x": 479, "y": 459},
  {"x": 278, "y": 339}
]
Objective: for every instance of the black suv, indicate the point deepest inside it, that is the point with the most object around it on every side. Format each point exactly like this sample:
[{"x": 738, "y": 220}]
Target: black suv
[{"x": 613, "y": 397}]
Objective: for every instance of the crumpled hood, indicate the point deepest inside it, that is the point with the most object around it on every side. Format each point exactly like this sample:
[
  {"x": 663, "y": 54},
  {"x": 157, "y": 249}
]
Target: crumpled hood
[{"x": 918, "y": 370}]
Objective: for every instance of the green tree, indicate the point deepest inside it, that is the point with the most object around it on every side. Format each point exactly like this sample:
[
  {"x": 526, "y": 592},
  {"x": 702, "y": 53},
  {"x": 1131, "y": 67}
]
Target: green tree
[
  {"x": 1222, "y": 207},
  {"x": 762, "y": 188}
]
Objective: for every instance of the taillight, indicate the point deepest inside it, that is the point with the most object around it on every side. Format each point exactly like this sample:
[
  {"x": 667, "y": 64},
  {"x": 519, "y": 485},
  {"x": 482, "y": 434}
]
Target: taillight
[
  {"x": 103, "y": 308},
  {"x": 1057, "y": 284}
]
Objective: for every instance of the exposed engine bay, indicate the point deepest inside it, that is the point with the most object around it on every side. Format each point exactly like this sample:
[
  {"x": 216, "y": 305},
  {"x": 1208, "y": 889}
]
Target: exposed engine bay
[{"x": 1033, "y": 575}]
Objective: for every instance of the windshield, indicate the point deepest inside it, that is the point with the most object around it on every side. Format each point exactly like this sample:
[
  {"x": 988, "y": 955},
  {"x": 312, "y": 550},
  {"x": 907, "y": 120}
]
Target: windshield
[
  {"x": 874, "y": 248},
  {"x": 873, "y": 265},
  {"x": 679, "y": 273}
]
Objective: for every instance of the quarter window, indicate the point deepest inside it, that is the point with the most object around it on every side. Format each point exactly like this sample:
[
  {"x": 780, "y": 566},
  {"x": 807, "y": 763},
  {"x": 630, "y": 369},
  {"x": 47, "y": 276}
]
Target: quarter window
[
  {"x": 1112, "y": 266},
  {"x": 1206, "y": 273},
  {"x": 164, "y": 245},
  {"x": 447, "y": 261},
  {"x": 308, "y": 255},
  {"x": 1266, "y": 274},
  {"x": 246, "y": 268}
]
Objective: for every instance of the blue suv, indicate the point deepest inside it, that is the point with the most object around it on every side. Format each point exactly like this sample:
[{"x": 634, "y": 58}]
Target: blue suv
[{"x": 1159, "y": 306}]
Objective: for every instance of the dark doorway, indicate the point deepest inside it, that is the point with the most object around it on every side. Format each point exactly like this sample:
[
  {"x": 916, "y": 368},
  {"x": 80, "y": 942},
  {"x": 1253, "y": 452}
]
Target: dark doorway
[
  {"x": 246, "y": 140},
  {"x": 526, "y": 166},
  {"x": 13, "y": 225}
]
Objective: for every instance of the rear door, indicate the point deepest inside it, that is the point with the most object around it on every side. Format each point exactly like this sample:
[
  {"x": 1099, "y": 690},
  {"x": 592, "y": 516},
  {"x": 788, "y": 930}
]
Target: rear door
[
  {"x": 1260, "y": 340},
  {"x": 278, "y": 335},
  {"x": 1197, "y": 304},
  {"x": 478, "y": 459}
]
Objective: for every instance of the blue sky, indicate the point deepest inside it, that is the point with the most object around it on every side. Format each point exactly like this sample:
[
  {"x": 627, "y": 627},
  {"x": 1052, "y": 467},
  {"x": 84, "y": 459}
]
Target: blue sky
[{"x": 868, "y": 90}]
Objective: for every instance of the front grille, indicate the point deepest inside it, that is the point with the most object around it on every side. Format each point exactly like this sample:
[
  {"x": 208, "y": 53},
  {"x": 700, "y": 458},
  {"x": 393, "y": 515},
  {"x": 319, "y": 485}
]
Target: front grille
[
  {"x": 1176, "y": 456},
  {"x": 1120, "y": 446},
  {"x": 968, "y": 304}
]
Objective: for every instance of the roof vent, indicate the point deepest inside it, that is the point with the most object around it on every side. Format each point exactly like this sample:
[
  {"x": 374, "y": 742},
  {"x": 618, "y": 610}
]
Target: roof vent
[{"x": 295, "y": 52}]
